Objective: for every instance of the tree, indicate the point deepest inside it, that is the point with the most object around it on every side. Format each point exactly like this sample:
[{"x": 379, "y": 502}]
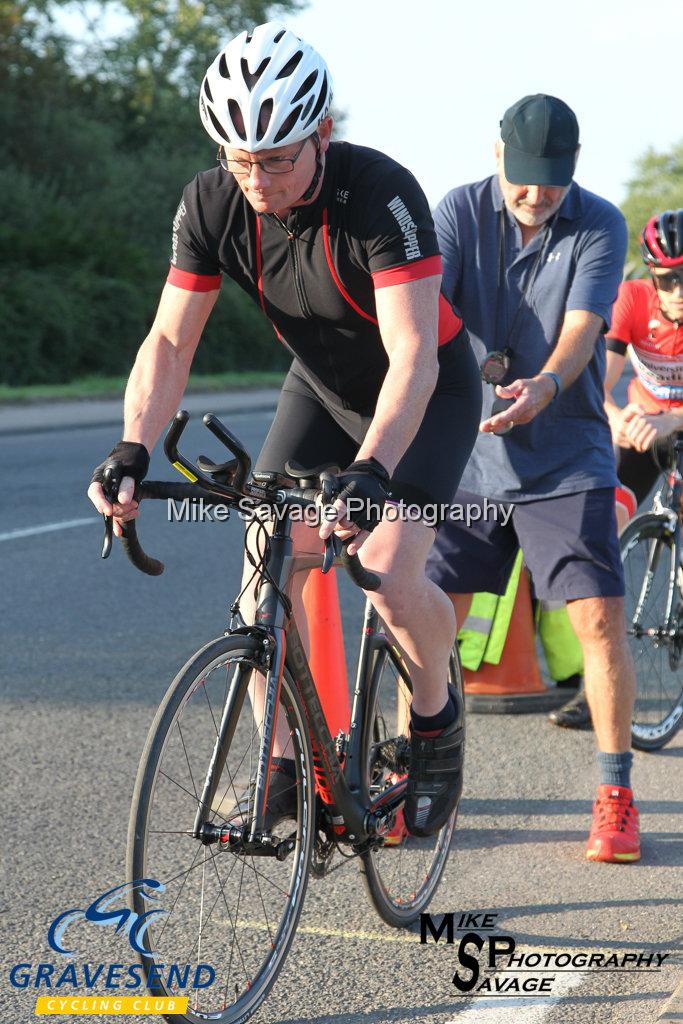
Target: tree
[
  {"x": 656, "y": 185},
  {"x": 97, "y": 139}
]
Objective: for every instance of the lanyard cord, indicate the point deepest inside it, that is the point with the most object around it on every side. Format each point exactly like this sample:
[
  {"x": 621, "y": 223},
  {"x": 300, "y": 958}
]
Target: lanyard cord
[{"x": 530, "y": 278}]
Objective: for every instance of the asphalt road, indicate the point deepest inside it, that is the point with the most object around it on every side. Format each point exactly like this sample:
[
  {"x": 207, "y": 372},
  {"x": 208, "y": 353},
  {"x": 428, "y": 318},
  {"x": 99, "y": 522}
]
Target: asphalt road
[{"x": 89, "y": 648}]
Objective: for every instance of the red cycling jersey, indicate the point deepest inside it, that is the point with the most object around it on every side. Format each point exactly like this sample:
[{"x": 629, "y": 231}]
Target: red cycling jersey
[{"x": 655, "y": 346}]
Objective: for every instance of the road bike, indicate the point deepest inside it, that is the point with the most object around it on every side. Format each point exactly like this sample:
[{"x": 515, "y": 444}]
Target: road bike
[
  {"x": 651, "y": 556},
  {"x": 234, "y": 858}
]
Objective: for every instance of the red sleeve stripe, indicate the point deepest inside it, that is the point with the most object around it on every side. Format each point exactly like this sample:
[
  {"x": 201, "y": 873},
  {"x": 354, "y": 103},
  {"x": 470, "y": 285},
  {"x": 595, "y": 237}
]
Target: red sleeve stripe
[
  {"x": 407, "y": 272},
  {"x": 193, "y": 282},
  {"x": 449, "y": 323}
]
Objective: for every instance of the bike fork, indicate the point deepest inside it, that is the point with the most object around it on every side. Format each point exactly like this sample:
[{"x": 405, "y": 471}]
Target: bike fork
[{"x": 237, "y": 692}]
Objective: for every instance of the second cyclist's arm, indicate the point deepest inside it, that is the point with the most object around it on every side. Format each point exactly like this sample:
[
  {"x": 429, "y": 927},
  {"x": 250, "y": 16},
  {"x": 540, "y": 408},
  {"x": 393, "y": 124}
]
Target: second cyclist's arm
[
  {"x": 408, "y": 320},
  {"x": 162, "y": 366}
]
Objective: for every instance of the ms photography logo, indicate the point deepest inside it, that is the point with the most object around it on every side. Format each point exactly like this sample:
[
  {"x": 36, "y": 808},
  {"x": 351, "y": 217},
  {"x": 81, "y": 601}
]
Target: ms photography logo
[
  {"x": 110, "y": 910},
  {"x": 522, "y": 973}
]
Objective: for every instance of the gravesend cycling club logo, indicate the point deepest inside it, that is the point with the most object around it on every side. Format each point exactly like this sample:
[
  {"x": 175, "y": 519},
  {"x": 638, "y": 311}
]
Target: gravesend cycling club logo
[
  {"x": 103, "y": 912},
  {"x": 71, "y": 932},
  {"x": 492, "y": 964}
]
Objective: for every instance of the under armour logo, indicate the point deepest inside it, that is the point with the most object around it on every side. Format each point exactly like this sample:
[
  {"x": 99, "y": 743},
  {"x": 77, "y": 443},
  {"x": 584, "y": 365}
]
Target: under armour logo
[{"x": 553, "y": 256}]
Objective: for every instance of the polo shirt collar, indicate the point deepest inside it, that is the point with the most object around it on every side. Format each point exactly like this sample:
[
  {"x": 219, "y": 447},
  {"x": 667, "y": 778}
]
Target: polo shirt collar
[{"x": 569, "y": 210}]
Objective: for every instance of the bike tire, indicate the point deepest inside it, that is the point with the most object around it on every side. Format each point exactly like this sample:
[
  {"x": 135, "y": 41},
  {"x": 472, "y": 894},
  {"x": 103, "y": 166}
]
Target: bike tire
[
  {"x": 653, "y": 599},
  {"x": 190, "y": 712},
  {"x": 402, "y": 874}
]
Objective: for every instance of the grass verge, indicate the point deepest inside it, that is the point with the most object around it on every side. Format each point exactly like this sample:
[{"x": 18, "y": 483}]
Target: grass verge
[{"x": 113, "y": 387}]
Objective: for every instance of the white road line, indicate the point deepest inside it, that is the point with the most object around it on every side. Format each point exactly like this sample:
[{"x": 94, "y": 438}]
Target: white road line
[
  {"x": 522, "y": 1009},
  {"x": 32, "y": 531}
]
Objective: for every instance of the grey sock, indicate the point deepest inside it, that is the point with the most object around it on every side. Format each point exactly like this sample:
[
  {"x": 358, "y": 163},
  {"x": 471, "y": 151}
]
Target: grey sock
[{"x": 615, "y": 769}]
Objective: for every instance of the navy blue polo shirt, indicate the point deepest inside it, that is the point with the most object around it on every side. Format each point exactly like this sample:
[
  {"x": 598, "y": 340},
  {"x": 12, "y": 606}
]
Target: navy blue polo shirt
[{"x": 567, "y": 448}]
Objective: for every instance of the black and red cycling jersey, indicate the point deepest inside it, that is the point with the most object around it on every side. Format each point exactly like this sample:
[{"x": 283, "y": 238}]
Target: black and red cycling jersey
[{"x": 315, "y": 274}]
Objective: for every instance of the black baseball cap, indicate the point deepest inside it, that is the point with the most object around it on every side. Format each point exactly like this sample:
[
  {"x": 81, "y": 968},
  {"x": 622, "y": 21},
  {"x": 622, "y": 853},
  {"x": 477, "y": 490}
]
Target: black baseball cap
[{"x": 541, "y": 136}]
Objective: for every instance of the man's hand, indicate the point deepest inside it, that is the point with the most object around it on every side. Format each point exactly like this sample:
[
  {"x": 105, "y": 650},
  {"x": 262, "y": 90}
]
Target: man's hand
[
  {"x": 366, "y": 483},
  {"x": 128, "y": 458},
  {"x": 531, "y": 396},
  {"x": 638, "y": 429}
]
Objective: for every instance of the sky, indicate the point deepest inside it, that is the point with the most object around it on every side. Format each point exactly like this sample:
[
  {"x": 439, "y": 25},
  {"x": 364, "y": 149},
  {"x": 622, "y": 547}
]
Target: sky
[{"x": 428, "y": 82}]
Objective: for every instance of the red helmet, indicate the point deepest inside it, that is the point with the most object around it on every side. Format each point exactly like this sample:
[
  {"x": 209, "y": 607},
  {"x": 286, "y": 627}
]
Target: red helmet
[{"x": 661, "y": 243}]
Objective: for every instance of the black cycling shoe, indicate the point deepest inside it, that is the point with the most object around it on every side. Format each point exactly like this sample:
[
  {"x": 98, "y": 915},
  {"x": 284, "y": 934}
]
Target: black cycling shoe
[
  {"x": 282, "y": 800},
  {"x": 435, "y": 776},
  {"x": 575, "y": 714},
  {"x": 573, "y": 682}
]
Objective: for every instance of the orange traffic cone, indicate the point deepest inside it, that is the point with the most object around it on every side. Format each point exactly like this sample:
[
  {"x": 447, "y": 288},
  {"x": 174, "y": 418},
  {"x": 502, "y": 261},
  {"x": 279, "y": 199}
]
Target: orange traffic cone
[
  {"x": 326, "y": 658},
  {"x": 514, "y": 685}
]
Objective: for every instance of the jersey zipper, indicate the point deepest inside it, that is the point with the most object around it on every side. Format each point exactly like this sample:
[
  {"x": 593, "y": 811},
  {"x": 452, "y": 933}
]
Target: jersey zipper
[
  {"x": 296, "y": 266},
  {"x": 303, "y": 302}
]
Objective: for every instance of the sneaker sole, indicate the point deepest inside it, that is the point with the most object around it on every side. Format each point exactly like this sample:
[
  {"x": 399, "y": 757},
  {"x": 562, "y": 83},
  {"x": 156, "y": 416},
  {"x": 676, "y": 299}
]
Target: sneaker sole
[{"x": 616, "y": 858}]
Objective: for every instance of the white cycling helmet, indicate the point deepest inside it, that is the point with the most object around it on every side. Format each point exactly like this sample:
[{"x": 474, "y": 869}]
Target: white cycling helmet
[{"x": 266, "y": 88}]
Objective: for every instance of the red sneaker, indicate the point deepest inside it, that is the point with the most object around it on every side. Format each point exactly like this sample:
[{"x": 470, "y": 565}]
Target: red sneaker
[{"x": 615, "y": 836}]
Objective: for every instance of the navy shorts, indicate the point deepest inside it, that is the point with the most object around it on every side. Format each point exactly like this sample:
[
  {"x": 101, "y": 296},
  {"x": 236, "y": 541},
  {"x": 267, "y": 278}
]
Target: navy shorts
[{"x": 569, "y": 544}]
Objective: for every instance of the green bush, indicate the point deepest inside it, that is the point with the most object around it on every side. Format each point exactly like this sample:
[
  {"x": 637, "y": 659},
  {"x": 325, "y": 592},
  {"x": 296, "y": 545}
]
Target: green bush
[{"x": 92, "y": 165}]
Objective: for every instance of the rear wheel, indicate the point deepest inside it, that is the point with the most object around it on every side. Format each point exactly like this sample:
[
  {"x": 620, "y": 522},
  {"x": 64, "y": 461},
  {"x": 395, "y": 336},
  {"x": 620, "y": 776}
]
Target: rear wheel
[
  {"x": 402, "y": 873},
  {"x": 654, "y": 628},
  {"x": 226, "y": 904}
]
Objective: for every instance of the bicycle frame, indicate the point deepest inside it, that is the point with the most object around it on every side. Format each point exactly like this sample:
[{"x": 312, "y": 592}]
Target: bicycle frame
[
  {"x": 671, "y": 490},
  {"x": 338, "y": 774}
]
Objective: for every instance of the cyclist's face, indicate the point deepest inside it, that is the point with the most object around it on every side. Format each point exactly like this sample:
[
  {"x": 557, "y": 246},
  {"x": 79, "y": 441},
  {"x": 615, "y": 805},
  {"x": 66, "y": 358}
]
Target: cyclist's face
[
  {"x": 671, "y": 298},
  {"x": 532, "y": 205},
  {"x": 276, "y": 193}
]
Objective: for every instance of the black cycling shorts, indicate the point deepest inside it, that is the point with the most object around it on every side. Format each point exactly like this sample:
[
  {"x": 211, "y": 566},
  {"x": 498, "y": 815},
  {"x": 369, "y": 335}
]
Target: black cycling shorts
[
  {"x": 312, "y": 428},
  {"x": 639, "y": 470}
]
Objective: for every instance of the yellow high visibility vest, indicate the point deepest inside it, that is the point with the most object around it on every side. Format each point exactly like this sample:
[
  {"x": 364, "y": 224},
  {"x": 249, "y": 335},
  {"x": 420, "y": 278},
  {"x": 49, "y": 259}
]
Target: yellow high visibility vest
[{"x": 484, "y": 631}]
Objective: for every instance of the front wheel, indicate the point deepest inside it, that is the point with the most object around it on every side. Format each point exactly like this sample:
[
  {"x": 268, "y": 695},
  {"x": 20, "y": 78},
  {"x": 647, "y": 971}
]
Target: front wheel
[
  {"x": 225, "y": 904},
  {"x": 653, "y": 607},
  {"x": 401, "y": 874}
]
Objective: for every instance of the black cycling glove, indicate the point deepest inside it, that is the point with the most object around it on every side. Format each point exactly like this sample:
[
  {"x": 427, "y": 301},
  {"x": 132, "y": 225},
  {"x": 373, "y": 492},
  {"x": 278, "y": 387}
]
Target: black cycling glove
[
  {"x": 368, "y": 482},
  {"x": 127, "y": 458}
]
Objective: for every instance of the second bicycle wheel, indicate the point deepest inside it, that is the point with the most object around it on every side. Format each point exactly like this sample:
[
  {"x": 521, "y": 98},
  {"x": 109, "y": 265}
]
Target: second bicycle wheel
[
  {"x": 230, "y": 906},
  {"x": 402, "y": 874},
  {"x": 654, "y": 628}
]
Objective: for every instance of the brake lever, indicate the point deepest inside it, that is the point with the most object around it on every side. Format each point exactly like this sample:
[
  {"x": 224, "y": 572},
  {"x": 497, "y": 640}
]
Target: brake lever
[
  {"x": 111, "y": 480},
  {"x": 108, "y": 534},
  {"x": 333, "y": 544},
  {"x": 333, "y": 549}
]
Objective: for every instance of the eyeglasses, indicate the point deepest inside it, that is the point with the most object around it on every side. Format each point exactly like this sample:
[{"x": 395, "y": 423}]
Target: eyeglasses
[
  {"x": 667, "y": 282},
  {"x": 271, "y": 165}
]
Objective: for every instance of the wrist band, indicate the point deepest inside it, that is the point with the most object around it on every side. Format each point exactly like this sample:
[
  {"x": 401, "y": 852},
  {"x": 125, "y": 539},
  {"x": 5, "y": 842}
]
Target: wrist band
[{"x": 556, "y": 378}]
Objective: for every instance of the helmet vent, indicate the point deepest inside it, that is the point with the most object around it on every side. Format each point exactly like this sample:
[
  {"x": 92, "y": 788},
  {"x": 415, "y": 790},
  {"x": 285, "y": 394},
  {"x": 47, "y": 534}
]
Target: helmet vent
[
  {"x": 320, "y": 102},
  {"x": 308, "y": 84},
  {"x": 208, "y": 91},
  {"x": 237, "y": 119},
  {"x": 264, "y": 116},
  {"x": 308, "y": 106},
  {"x": 287, "y": 126},
  {"x": 218, "y": 126},
  {"x": 252, "y": 79},
  {"x": 223, "y": 67},
  {"x": 279, "y": 36},
  {"x": 291, "y": 64}
]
